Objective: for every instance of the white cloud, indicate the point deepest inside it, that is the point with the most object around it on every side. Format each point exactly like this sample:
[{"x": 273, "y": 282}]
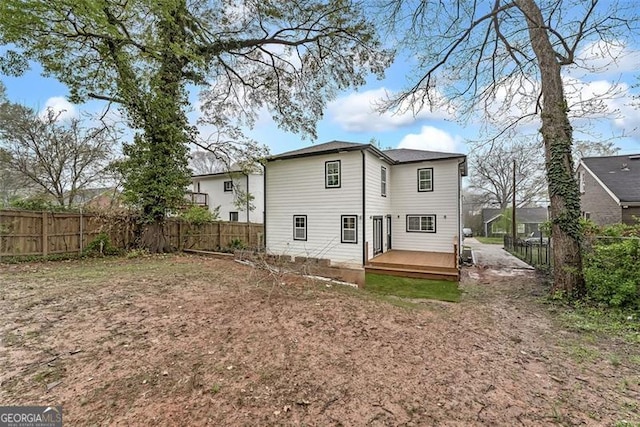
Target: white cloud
[
  {"x": 357, "y": 112},
  {"x": 432, "y": 139},
  {"x": 59, "y": 105},
  {"x": 606, "y": 58}
]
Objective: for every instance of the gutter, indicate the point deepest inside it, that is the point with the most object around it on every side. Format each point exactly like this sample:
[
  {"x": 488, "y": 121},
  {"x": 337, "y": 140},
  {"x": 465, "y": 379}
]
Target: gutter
[{"x": 364, "y": 218}]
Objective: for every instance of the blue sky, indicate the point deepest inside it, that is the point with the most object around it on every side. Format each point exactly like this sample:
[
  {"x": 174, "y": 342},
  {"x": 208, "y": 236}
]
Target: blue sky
[{"x": 352, "y": 116}]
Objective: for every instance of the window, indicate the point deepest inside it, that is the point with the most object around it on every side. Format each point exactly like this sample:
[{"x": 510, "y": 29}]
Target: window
[
  {"x": 332, "y": 174},
  {"x": 349, "y": 229},
  {"x": 421, "y": 223},
  {"x": 383, "y": 181},
  {"x": 581, "y": 181},
  {"x": 299, "y": 227},
  {"x": 425, "y": 179},
  {"x": 233, "y": 216},
  {"x": 521, "y": 228},
  {"x": 228, "y": 186}
]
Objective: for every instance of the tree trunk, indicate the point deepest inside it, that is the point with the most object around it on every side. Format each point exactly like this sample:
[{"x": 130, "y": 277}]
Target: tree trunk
[{"x": 557, "y": 137}]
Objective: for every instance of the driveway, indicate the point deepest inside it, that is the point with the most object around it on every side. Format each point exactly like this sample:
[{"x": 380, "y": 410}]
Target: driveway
[{"x": 493, "y": 256}]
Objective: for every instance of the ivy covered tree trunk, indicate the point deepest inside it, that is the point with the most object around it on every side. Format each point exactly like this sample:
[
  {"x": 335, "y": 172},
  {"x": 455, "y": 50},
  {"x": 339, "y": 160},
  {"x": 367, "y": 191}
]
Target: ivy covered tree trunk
[
  {"x": 156, "y": 169},
  {"x": 557, "y": 136}
]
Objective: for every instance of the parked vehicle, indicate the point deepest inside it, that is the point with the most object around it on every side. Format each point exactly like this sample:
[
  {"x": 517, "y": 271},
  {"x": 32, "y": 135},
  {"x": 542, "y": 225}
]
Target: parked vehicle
[
  {"x": 467, "y": 232},
  {"x": 536, "y": 238}
]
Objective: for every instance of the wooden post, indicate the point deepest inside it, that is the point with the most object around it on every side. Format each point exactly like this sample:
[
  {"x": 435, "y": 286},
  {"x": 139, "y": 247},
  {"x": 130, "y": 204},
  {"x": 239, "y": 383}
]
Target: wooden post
[
  {"x": 180, "y": 244},
  {"x": 514, "y": 227},
  {"x": 45, "y": 234}
]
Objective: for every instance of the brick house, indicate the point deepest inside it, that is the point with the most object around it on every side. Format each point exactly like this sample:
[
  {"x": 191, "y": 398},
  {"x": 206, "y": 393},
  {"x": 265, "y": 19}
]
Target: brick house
[{"x": 610, "y": 188}]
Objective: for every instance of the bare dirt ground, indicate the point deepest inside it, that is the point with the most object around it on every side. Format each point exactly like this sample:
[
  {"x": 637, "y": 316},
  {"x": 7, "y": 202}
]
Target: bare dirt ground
[{"x": 181, "y": 340}]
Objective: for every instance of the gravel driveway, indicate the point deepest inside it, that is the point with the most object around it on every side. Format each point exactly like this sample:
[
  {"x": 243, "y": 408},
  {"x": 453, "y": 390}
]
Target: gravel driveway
[{"x": 493, "y": 255}]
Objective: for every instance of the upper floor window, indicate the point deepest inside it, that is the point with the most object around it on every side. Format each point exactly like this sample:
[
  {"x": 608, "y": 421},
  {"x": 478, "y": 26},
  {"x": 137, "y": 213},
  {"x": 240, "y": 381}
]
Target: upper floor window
[
  {"x": 233, "y": 216},
  {"x": 332, "y": 174},
  {"x": 425, "y": 179},
  {"x": 228, "y": 186},
  {"x": 383, "y": 181}
]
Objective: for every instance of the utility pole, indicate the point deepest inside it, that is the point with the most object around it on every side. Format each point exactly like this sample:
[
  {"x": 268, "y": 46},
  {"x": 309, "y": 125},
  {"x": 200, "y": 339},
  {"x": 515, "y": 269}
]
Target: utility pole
[{"x": 513, "y": 209}]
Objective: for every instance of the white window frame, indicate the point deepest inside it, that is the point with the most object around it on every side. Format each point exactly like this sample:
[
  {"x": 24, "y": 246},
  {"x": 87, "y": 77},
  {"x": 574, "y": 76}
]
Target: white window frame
[
  {"x": 423, "y": 227},
  {"x": 383, "y": 181},
  {"x": 425, "y": 180},
  {"x": 581, "y": 181},
  {"x": 335, "y": 175},
  {"x": 354, "y": 218},
  {"x": 297, "y": 228},
  {"x": 229, "y": 187}
]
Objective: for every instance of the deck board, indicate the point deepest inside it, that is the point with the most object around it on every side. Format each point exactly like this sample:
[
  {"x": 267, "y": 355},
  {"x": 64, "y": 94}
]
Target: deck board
[{"x": 415, "y": 264}]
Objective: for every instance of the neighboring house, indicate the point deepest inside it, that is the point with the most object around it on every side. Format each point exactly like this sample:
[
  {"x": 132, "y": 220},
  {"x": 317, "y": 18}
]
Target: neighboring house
[
  {"x": 228, "y": 191},
  {"x": 528, "y": 220},
  {"x": 610, "y": 189},
  {"x": 349, "y": 202}
]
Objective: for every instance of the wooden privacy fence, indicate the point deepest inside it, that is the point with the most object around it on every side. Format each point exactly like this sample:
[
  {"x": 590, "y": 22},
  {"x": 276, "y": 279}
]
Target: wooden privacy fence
[{"x": 28, "y": 233}]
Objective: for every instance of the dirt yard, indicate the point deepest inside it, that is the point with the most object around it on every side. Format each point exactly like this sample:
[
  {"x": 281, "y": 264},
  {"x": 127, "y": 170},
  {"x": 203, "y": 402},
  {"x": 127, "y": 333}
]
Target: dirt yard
[{"x": 182, "y": 340}]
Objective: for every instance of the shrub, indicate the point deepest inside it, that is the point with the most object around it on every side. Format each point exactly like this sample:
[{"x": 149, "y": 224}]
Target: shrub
[
  {"x": 612, "y": 273},
  {"x": 198, "y": 215},
  {"x": 101, "y": 245}
]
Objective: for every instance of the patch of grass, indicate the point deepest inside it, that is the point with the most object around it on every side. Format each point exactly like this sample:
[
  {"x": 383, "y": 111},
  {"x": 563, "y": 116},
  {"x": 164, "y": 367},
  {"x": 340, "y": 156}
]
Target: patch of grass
[
  {"x": 405, "y": 287},
  {"x": 490, "y": 240},
  {"x": 603, "y": 321},
  {"x": 583, "y": 354}
]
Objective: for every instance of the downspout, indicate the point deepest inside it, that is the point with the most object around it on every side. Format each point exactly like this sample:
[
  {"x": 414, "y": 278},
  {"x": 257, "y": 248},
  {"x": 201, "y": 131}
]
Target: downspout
[
  {"x": 247, "y": 197},
  {"x": 264, "y": 211},
  {"x": 364, "y": 219}
]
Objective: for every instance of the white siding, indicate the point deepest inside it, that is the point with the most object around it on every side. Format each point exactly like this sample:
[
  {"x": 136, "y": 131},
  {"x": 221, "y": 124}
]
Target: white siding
[
  {"x": 443, "y": 202},
  {"x": 214, "y": 187},
  {"x": 376, "y": 204},
  {"x": 297, "y": 187}
]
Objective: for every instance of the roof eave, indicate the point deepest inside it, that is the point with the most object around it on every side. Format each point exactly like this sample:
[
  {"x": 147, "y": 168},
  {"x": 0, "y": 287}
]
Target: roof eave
[{"x": 318, "y": 153}]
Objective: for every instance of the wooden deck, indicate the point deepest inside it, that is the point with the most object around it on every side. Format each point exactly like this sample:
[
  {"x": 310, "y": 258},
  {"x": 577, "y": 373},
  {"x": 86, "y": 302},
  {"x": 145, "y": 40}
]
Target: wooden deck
[{"x": 416, "y": 264}]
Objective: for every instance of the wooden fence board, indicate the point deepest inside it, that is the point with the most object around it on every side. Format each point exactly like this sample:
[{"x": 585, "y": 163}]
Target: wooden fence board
[{"x": 25, "y": 233}]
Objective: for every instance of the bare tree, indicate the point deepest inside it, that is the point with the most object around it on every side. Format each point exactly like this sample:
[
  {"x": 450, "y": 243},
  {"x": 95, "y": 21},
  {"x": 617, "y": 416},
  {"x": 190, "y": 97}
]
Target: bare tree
[
  {"x": 491, "y": 173},
  {"x": 505, "y": 58},
  {"x": 59, "y": 157},
  {"x": 205, "y": 162},
  {"x": 583, "y": 149}
]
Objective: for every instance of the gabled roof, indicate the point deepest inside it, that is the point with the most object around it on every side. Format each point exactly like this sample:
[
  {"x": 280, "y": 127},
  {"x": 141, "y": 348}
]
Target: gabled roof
[
  {"x": 523, "y": 215},
  {"x": 393, "y": 156},
  {"x": 620, "y": 174}
]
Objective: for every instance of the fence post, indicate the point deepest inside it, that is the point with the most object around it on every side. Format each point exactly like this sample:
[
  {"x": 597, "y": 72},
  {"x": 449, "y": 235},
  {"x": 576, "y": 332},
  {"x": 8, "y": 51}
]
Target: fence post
[
  {"x": 180, "y": 245},
  {"x": 45, "y": 234}
]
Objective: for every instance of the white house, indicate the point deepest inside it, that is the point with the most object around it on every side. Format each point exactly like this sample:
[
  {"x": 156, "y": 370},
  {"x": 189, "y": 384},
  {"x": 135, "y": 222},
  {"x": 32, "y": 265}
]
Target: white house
[
  {"x": 228, "y": 191},
  {"x": 350, "y": 202}
]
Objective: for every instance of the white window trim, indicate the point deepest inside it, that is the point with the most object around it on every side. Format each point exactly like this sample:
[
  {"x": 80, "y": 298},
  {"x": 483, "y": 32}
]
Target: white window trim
[
  {"x": 296, "y": 228},
  {"x": 383, "y": 181},
  {"x": 230, "y": 182},
  {"x": 420, "y": 230},
  {"x": 343, "y": 229},
  {"x": 430, "y": 180},
  {"x": 326, "y": 174}
]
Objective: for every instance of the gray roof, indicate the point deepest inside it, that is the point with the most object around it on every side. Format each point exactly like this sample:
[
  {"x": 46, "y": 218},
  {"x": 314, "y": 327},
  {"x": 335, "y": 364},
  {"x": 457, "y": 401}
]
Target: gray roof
[
  {"x": 523, "y": 215},
  {"x": 398, "y": 155},
  {"x": 327, "y": 147},
  {"x": 621, "y": 174},
  {"x": 406, "y": 155}
]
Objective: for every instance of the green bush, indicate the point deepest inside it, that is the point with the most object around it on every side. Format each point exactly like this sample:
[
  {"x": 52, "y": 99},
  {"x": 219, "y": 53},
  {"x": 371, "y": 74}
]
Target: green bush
[
  {"x": 612, "y": 273},
  {"x": 101, "y": 245},
  {"x": 198, "y": 215}
]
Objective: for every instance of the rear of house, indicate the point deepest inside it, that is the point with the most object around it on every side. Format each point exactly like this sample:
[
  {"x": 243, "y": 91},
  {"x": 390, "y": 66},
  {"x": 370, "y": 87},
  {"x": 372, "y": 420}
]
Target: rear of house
[
  {"x": 226, "y": 194},
  {"x": 610, "y": 189},
  {"x": 348, "y": 203}
]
